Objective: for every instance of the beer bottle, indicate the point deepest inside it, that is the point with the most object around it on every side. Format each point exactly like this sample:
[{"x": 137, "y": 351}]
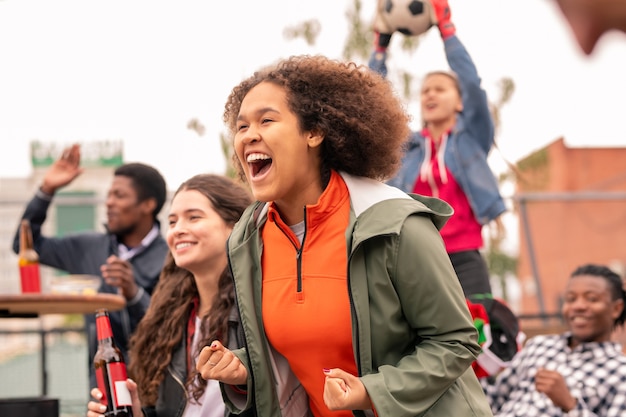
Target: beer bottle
[
  {"x": 111, "y": 370},
  {"x": 28, "y": 260}
]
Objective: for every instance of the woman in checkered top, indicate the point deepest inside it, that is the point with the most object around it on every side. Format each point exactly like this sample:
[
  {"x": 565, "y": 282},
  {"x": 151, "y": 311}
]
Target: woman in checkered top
[{"x": 581, "y": 372}]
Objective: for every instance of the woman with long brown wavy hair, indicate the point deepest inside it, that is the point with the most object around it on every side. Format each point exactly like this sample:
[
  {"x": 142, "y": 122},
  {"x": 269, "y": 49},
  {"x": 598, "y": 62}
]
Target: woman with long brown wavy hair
[{"x": 192, "y": 304}]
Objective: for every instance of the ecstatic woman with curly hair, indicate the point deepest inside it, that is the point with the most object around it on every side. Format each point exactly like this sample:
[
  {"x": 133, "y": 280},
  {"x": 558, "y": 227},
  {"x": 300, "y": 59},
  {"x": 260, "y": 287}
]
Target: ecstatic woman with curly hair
[{"x": 347, "y": 297}]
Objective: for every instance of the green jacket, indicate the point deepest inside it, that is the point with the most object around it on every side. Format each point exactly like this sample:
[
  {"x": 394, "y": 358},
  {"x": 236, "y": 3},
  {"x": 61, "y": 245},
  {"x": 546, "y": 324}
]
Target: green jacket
[{"x": 413, "y": 337}]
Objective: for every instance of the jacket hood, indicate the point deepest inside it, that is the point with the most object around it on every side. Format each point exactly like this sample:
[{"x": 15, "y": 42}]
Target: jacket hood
[
  {"x": 365, "y": 193},
  {"x": 367, "y": 196}
]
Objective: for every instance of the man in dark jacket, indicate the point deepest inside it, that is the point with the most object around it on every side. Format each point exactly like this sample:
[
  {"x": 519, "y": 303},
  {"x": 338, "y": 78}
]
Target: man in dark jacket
[{"x": 128, "y": 256}]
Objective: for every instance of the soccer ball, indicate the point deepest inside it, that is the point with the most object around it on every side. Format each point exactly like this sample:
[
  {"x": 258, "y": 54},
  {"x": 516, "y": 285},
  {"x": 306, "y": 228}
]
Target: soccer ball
[{"x": 409, "y": 17}]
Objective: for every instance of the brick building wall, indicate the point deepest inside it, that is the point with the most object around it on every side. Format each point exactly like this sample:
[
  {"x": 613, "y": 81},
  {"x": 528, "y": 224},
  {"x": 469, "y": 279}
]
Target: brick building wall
[{"x": 571, "y": 204}]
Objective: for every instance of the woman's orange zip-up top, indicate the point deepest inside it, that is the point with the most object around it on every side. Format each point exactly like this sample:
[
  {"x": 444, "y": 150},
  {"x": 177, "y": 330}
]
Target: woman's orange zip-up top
[{"x": 305, "y": 292}]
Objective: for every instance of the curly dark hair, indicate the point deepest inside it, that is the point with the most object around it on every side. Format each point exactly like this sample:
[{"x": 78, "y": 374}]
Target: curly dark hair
[
  {"x": 363, "y": 121},
  {"x": 173, "y": 297}
]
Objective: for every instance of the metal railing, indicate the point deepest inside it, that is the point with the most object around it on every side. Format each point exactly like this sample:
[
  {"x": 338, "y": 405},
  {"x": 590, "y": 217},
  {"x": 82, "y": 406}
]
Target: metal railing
[
  {"x": 56, "y": 368},
  {"x": 42, "y": 333}
]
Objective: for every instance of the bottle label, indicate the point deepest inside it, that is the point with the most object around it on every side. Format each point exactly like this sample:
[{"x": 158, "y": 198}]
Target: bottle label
[
  {"x": 113, "y": 375},
  {"x": 123, "y": 394},
  {"x": 29, "y": 278}
]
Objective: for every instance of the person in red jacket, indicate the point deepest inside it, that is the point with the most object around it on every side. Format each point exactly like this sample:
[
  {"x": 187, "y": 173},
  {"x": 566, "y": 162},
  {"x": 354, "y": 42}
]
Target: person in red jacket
[{"x": 448, "y": 157}]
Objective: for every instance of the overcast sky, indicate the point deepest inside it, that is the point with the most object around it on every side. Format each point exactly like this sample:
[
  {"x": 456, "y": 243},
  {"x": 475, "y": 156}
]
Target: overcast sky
[{"x": 137, "y": 71}]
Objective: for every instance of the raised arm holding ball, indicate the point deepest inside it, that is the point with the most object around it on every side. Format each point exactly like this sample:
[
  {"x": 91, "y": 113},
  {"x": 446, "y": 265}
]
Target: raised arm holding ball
[{"x": 447, "y": 158}]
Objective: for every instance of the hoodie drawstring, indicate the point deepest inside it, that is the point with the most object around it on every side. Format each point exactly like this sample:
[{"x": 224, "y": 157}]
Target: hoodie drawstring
[{"x": 426, "y": 170}]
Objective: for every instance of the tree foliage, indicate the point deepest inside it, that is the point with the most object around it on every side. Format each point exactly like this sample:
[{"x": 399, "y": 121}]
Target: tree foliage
[
  {"x": 360, "y": 36},
  {"x": 308, "y": 30}
]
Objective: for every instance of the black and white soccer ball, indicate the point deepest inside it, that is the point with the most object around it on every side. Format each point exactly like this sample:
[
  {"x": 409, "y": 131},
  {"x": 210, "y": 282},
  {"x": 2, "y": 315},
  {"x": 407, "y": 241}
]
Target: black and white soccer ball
[{"x": 409, "y": 17}]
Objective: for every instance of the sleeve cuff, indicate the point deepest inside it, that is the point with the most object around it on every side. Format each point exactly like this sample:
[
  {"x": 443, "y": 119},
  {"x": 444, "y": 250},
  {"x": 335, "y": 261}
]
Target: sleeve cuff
[
  {"x": 136, "y": 298},
  {"x": 240, "y": 389},
  {"x": 44, "y": 196},
  {"x": 578, "y": 410}
]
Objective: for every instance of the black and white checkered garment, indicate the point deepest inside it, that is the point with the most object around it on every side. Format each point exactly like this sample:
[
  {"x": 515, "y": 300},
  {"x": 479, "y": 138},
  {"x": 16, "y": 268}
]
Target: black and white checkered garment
[{"x": 595, "y": 374}]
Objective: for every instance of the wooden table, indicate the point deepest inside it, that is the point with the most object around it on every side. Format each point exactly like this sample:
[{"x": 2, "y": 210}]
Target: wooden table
[{"x": 34, "y": 305}]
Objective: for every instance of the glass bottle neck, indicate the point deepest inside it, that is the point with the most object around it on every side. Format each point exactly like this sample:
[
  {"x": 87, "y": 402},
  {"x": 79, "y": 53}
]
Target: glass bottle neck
[
  {"x": 103, "y": 328},
  {"x": 26, "y": 240}
]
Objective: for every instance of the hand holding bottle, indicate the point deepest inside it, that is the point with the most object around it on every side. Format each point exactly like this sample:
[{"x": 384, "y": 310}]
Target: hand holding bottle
[
  {"x": 110, "y": 368},
  {"x": 97, "y": 409}
]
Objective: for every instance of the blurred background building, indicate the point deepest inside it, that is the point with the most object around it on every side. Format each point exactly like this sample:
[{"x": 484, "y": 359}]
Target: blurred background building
[{"x": 571, "y": 206}]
